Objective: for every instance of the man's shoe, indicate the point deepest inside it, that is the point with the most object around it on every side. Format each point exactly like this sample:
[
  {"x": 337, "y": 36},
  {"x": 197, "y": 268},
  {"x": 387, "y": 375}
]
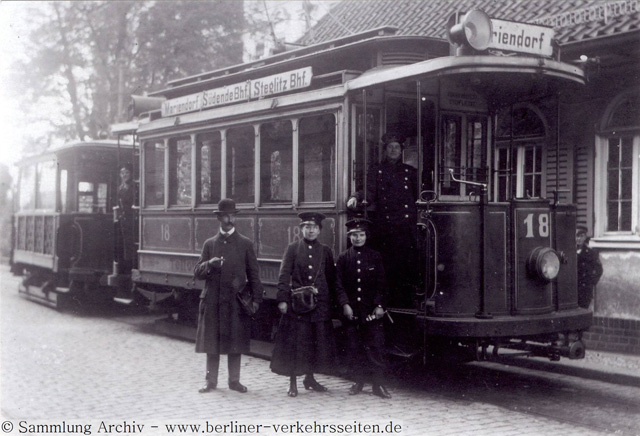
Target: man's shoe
[
  {"x": 356, "y": 388},
  {"x": 236, "y": 386},
  {"x": 381, "y": 391},
  {"x": 210, "y": 386}
]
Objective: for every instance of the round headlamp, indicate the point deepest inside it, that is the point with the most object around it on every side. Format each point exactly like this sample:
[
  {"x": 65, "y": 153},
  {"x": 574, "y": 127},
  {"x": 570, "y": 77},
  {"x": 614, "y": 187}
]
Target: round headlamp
[{"x": 544, "y": 263}]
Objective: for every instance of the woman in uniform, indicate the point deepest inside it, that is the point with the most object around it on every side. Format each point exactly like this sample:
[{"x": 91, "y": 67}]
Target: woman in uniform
[{"x": 304, "y": 343}]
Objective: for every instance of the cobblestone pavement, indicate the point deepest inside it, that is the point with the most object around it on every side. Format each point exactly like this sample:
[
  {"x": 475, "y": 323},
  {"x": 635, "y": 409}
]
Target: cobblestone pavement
[{"x": 66, "y": 369}]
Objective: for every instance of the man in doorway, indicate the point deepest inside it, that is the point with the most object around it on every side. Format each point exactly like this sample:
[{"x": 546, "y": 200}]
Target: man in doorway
[{"x": 392, "y": 191}]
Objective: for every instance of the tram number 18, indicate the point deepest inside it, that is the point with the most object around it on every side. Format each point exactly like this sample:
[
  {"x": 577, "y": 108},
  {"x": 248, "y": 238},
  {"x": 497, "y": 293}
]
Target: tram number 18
[
  {"x": 165, "y": 234},
  {"x": 541, "y": 225}
]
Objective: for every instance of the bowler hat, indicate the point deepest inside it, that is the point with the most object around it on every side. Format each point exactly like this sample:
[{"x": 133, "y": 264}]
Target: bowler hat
[
  {"x": 311, "y": 218},
  {"x": 358, "y": 225},
  {"x": 226, "y": 205}
]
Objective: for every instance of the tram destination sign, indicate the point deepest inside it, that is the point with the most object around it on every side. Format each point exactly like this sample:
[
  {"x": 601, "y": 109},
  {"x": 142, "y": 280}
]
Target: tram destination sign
[
  {"x": 521, "y": 37},
  {"x": 248, "y": 90}
]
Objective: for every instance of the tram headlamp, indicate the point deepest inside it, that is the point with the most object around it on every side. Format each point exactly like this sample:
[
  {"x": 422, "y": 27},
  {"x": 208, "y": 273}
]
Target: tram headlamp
[
  {"x": 544, "y": 263},
  {"x": 474, "y": 30}
]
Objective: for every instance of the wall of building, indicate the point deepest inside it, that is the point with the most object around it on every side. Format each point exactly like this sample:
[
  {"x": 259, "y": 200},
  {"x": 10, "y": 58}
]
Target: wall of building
[{"x": 613, "y": 335}]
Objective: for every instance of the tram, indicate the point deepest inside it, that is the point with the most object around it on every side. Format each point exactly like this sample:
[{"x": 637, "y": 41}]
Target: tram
[
  {"x": 299, "y": 130},
  {"x": 64, "y": 239}
]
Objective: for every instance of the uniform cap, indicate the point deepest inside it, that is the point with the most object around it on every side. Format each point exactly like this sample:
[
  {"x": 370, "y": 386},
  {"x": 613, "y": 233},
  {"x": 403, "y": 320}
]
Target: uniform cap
[
  {"x": 358, "y": 225},
  {"x": 311, "y": 218},
  {"x": 390, "y": 137},
  {"x": 226, "y": 205},
  {"x": 581, "y": 229}
]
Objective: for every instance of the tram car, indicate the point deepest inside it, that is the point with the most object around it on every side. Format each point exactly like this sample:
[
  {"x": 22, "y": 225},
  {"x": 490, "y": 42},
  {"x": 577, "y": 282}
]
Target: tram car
[
  {"x": 299, "y": 131},
  {"x": 64, "y": 239}
]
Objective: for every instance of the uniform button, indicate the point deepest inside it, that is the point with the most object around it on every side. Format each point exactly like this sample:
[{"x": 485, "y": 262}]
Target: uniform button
[
  {"x": 406, "y": 178},
  {"x": 359, "y": 289},
  {"x": 359, "y": 299},
  {"x": 406, "y": 206},
  {"x": 359, "y": 280},
  {"x": 358, "y": 269},
  {"x": 310, "y": 277},
  {"x": 310, "y": 247},
  {"x": 358, "y": 261},
  {"x": 406, "y": 187},
  {"x": 310, "y": 256},
  {"x": 387, "y": 216},
  {"x": 406, "y": 216},
  {"x": 310, "y": 266}
]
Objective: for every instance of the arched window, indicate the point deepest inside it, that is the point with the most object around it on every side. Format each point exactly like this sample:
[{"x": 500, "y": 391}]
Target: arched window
[
  {"x": 617, "y": 193},
  {"x": 520, "y": 153}
]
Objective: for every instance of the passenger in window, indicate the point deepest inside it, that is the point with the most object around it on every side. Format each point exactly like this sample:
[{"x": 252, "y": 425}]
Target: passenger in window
[
  {"x": 361, "y": 287},
  {"x": 127, "y": 198},
  {"x": 227, "y": 264},
  {"x": 304, "y": 343},
  {"x": 392, "y": 191},
  {"x": 589, "y": 268}
]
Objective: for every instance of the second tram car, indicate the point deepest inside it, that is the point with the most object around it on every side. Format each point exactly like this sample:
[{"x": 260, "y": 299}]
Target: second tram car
[
  {"x": 64, "y": 236},
  {"x": 299, "y": 130}
]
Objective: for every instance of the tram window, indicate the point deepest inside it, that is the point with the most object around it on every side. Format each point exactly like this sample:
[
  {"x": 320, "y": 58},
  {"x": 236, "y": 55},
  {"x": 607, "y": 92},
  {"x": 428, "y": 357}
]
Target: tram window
[
  {"x": 532, "y": 176},
  {"x": 28, "y": 188},
  {"x": 85, "y": 197},
  {"x": 154, "y": 173},
  {"x": 63, "y": 190},
  {"x": 240, "y": 164},
  {"x": 373, "y": 126},
  {"x": 46, "y": 191},
  {"x": 451, "y": 141},
  {"x": 476, "y": 161},
  {"x": 209, "y": 170},
  {"x": 180, "y": 150},
  {"x": 276, "y": 169},
  {"x": 317, "y": 147},
  {"x": 519, "y": 157}
]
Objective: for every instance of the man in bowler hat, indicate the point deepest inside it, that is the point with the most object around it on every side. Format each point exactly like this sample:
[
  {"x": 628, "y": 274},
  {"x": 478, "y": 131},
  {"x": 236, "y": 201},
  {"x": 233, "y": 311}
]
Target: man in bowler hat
[
  {"x": 227, "y": 264},
  {"x": 361, "y": 287},
  {"x": 589, "y": 268}
]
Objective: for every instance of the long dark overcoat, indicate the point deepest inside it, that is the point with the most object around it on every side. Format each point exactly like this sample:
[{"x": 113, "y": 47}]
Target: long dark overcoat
[
  {"x": 305, "y": 343},
  {"x": 223, "y": 327}
]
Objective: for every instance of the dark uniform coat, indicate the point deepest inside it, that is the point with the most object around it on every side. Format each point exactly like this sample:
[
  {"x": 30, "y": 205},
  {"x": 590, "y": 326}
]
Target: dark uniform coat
[
  {"x": 304, "y": 343},
  {"x": 589, "y": 272},
  {"x": 361, "y": 283},
  {"x": 127, "y": 198},
  {"x": 223, "y": 326},
  {"x": 392, "y": 190}
]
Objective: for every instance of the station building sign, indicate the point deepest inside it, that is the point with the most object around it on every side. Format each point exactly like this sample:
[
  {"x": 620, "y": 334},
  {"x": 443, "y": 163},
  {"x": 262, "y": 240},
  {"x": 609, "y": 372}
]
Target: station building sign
[
  {"x": 238, "y": 92},
  {"x": 522, "y": 38}
]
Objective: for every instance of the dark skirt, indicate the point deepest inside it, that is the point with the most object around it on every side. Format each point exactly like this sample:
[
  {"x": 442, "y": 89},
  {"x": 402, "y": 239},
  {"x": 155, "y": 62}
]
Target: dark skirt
[{"x": 303, "y": 347}]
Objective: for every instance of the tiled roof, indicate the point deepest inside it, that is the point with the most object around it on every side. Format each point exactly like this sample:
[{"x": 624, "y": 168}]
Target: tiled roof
[{"x": 573, "y": 20}]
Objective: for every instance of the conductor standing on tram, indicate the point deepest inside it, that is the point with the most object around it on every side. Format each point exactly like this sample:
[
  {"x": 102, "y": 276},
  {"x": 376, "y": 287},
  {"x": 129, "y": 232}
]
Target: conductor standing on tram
[{"x": 392, "y": 191}]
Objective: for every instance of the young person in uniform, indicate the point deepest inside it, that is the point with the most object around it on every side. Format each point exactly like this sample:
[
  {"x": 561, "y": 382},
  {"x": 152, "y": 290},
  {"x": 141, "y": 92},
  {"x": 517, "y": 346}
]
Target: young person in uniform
[{"x": 361, "y": 287}]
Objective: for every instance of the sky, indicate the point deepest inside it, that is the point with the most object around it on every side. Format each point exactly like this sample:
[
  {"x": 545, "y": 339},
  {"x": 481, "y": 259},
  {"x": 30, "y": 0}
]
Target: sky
[{"x": 14, "y": 30}]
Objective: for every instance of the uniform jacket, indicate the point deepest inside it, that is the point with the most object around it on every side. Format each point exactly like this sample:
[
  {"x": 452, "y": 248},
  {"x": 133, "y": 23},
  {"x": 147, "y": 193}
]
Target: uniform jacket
[
  {"x": 393, "y": 189},
  {"x": 360, "y": 281},
  {"x": 305, "y": 264},
  {"x": 223, "y": 327}
]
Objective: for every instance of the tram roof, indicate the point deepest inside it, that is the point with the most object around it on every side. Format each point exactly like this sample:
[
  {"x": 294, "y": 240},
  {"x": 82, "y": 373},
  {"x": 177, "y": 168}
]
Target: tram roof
[
  {"x": 77, "y": 145},
  {"x": 476, "y": 65}
]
